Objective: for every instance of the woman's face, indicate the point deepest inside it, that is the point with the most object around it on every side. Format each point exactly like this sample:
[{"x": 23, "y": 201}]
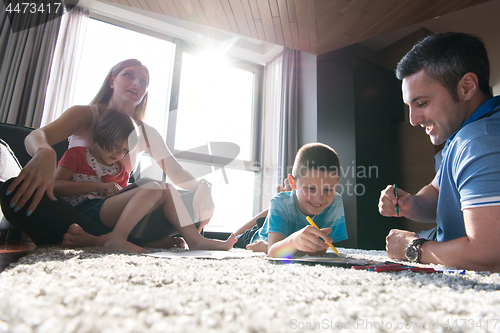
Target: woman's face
[{"x": 130, "y": 84}]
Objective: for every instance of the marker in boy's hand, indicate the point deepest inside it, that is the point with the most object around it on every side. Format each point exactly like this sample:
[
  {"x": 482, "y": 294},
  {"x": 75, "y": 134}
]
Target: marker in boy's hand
[
  {"x": 329, "y": 244},
  {"x": 312, "y": 183},
  {"x": 311, "y": 240}
]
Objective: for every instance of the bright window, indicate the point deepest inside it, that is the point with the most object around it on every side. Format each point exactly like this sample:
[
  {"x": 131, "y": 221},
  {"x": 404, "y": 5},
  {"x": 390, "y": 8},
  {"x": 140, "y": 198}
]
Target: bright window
[
  {"x": 214, "y": 100},
  {"x": 100, "y": 53},
  {"x": 217, "y": 110}
]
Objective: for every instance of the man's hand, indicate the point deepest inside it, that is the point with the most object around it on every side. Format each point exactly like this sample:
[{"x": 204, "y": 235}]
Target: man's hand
[
  {"x": 396, "y": 243},
  {"x": 387, "y": 202}
]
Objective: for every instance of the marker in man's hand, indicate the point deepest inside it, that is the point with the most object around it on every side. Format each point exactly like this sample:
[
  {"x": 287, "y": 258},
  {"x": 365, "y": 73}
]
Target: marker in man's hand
[{"x": 396, "y": 195}]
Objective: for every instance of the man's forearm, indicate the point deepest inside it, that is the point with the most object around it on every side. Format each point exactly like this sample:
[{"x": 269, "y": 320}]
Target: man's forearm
[
  {"x": 460, "y": 253},
  {"x": 424, "y": 205}
]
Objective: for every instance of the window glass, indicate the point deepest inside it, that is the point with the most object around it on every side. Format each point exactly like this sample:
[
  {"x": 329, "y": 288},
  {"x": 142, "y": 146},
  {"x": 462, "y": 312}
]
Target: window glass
[
  {"x": 106, "y": 45},
  {"x": 234, "y": 201},
  {"x": 215, "y": 104}
]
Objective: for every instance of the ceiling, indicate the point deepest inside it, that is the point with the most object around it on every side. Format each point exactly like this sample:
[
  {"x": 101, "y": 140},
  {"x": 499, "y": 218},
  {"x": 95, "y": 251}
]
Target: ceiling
[{"x": 313, "y": 26}]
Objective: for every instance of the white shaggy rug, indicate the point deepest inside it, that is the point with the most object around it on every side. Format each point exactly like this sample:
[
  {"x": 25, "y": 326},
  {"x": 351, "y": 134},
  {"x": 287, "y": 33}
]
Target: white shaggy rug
[{"x": 90, "y": 290}]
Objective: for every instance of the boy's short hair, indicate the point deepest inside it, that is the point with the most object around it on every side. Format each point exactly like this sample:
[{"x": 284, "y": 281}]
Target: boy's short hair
[
  {"x": 315, "y": 156},
  {"x": 446, "y": 58},
  {"x": 115, "y": 126}
]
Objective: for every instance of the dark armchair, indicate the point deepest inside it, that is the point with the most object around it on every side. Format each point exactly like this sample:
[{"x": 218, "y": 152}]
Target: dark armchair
[{"x": 13, "y": 155}]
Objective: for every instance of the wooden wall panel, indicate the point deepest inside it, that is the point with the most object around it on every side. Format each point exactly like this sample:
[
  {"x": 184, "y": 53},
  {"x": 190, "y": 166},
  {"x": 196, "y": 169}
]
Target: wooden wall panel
[
  {"x": 314, "y": 26},
  {"x": 285, "y": 23},
  {"x": 267, "y": 20},
  {"x": 221, "y": 15},
  {"x": 165, "y": 9},
  {"x": 153, "y": 6},
  {"x": 247, "y": 19}
]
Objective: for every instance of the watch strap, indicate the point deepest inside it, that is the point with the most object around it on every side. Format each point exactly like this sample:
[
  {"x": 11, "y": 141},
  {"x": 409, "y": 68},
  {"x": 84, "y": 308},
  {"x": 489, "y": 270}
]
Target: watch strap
[{"x": 417, "y": 243}]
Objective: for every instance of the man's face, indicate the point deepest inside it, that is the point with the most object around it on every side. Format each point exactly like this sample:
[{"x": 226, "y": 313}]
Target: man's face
[{"x": 432, "y": 107}]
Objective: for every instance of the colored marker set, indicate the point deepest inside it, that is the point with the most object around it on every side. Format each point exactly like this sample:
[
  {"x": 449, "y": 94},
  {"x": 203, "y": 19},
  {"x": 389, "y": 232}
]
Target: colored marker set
[{"x": 396, "y": 268}]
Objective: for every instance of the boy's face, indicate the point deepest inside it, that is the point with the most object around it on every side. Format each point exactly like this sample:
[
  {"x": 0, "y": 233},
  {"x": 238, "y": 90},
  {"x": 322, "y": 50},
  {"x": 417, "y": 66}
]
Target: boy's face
[
  {"x": 118, "y": 151},
  {"x": 315, "y": 190}
]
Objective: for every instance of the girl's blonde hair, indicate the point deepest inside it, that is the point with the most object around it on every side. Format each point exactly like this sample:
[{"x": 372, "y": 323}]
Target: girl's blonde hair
[{"x": 105, "y": 92}]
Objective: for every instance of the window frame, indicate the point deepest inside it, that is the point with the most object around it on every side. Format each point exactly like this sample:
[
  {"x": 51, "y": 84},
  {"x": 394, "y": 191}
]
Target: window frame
[{"x": 254, "y": 164}]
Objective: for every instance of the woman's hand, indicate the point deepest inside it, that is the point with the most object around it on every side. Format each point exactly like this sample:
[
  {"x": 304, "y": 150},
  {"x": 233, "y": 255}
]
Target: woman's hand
[
  {"x": 37, "y": 178},
  {"x": 203, "y": 204}
]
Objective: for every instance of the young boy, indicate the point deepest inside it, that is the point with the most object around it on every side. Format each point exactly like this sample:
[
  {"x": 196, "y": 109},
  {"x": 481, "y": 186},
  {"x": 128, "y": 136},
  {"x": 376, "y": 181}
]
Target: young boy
[
  {"x": 313, "y": 181},
  {"x": 86, "y": 177}
]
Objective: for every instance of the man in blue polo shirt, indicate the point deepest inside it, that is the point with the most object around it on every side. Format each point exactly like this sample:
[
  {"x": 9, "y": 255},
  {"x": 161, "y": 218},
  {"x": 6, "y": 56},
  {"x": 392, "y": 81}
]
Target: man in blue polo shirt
[{"x": 445, "y": 82}]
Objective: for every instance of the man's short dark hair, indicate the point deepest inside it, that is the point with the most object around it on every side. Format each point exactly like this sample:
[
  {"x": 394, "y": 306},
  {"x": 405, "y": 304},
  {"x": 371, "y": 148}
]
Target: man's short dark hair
[
  {"x": 446, "y": 58},
  {"x": 114, "y": 126},
  {"x": 316, "y": 156}
]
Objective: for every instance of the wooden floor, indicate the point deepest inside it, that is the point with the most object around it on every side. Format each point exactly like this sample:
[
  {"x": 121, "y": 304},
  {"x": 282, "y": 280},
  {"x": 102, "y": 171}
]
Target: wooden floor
[{"x": 12, "y": 247}]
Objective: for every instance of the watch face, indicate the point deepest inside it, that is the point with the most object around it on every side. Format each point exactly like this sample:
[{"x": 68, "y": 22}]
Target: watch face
[{"x": 412, "y": 253}]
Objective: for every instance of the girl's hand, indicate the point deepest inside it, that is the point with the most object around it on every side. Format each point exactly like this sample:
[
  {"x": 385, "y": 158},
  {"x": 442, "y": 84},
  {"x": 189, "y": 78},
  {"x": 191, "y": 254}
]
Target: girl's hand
[
  {"x": 258, "y": 246},
  {"x": 36, "y": 178},
  {"x": 109, "y": 188},
  {"x": 284, "y": 188},
  {"x": 203, "y": 204},
  {"x": 307, "y": 239}
]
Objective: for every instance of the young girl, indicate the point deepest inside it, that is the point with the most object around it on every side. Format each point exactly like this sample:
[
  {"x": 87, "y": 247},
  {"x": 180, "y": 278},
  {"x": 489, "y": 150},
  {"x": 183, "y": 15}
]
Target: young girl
[{"x": 87, "y": 178}]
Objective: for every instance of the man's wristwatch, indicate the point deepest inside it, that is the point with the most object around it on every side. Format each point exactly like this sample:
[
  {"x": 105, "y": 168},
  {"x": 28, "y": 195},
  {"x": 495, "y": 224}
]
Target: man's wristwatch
[
  {"x": 206, "y": 182},
  {"x": 412, "y": 250}
]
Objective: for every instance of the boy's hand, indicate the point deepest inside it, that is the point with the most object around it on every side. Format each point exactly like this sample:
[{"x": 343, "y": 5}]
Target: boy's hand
[
  {"x": 387, "y": 202},
  {"x": 307, "y": 239}
]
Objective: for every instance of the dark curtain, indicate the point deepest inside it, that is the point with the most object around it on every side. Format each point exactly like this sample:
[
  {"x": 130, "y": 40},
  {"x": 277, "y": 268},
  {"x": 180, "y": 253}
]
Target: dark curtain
[
  {"x": 289, "y": 142},
  {"x": 25, "y": 60}
]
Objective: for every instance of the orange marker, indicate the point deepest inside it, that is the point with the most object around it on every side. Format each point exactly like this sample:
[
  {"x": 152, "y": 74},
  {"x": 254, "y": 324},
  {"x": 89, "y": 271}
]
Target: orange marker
[{"x": 311, "y": 222}]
